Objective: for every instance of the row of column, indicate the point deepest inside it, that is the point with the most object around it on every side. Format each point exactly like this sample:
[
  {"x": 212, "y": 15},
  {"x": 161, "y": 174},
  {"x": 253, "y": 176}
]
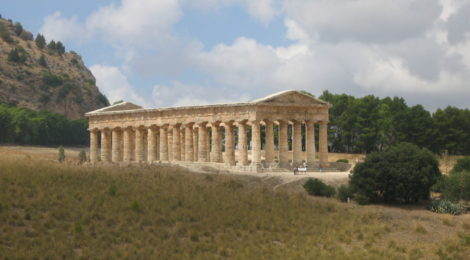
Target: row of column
[{"x": 190, "y": 142}]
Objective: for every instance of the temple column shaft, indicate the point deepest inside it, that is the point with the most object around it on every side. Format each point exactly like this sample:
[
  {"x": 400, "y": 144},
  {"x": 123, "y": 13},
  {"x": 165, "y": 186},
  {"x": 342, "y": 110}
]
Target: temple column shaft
[
  {"x": 163, "y": 143},
  {"x": 297, "y": 143},
  {"x": 139, "y": 145},
  {"x": 188, "y": 142},
  {"x": 93, "y": 146},
  {"x": 105, "y": 145},
  {"x": 283, "y": 145},
  {"x": 127, "y": 145},
  {"x": 310, "y": 141},
  {"x": 323, "y": 143},
  {"x": 269, "y": 142},
  {"x": 182, "y": 144},
  {"x": 229, "y": 151},
  {"x": 176, "y": 143},
  {"x": 216, "y": 143},
  {"x": 202, "y": 143},
  {"x": 242, "y": 147},
  {"x": 256, "y": 142},
  {"x": 195, "y": 146},
  {"x": 170, "y": 143},
  {"x": 151, "y": 144},
  {"x": 116, "y": 155}
]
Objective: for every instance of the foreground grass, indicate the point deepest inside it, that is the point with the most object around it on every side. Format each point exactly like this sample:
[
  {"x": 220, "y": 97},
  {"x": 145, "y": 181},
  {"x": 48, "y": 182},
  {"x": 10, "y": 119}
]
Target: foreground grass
[{"x": 49, "y": 211}]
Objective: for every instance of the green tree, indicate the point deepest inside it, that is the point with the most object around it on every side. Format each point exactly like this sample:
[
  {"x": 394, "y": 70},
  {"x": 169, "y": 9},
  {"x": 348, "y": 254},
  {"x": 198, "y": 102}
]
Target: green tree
[
  {"x": 17, "y": 55},
  {"x": 18, "y": 28},
  {"x": 5, "y": 33},
  {"x": 42, "y": 61},
  {"x": 40, "y": 41},
  {"x": 405, "y": 174}
]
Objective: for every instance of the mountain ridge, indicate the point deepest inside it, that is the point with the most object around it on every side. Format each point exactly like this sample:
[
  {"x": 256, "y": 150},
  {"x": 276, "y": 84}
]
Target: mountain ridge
[{"x": 38, "y": 75}]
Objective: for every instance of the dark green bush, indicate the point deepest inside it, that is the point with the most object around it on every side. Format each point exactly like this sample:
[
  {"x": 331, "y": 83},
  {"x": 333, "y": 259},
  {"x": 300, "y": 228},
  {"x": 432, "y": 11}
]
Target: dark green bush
[
  {"x": 456, "y": 186},
  {"x": 318, "y": 188},
  {"x": 343, "y": 160},
  {"x": 17, "y": 55},
  {"x": 40, "y": 41},
  {"x": 51, "y": 79},
  {"x": 403, "y": 174},
  {"x": 344, "y": 192},
  {"x": 462, "y": 164},
  {"x": 445, "y": 206}
]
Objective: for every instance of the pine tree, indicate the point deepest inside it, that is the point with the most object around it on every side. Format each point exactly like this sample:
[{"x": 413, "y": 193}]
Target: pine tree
[
  {"x": 60, "y": 48},
  {"x": 40, "y": 41},
  {"x": 18, "y": 28},
  {"x": 42, "y": 61}
]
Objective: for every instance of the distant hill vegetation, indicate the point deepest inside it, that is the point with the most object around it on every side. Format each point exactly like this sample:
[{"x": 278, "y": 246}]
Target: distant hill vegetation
[{"x": 41, "y": 75}]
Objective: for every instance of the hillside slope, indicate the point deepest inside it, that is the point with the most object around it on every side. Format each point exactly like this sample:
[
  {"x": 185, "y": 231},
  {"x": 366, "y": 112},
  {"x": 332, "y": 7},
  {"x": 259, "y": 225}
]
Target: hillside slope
[{"x": 44, "y": 76}]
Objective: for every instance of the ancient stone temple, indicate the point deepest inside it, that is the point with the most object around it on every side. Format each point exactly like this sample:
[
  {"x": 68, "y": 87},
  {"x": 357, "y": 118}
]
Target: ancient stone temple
[{"x": 277, "y": 131}]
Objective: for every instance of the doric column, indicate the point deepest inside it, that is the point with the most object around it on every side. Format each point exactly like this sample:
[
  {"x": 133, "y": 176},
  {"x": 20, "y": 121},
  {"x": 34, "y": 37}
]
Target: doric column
[
  {"x": 182, "y": 144},
  {"x": 170, "y": 143},
  {"x": 93, "y": 145},
  {"x": 269, "y": 142},
  {"x": 105, "y": 145},
  {"x": 283, "y": 145},
  {"x": 256, "y": 143},
  {"x": 151, "y": 144},
  {"x": 116, "y": 153},
  {"x": 242, "y": 147},
  {"x": 176, "y": 143},
  {"x": 163, "y": 143},
  {"x": 127, "y": 157},
  {"x": 188, "y": 143},
  {"x": 229, "y": 151},
  {"x": 323, "y": 143},
  {"x": 208, "y": 144},
  {"x": 139, "y": 145},
  {"x": 195, "y": 146},
  {"x": 216, "y": 150},
  {"x": 310, "y": 141},
  {"x": 297, "y": 143},
  {"x": 202, "y": 142}
]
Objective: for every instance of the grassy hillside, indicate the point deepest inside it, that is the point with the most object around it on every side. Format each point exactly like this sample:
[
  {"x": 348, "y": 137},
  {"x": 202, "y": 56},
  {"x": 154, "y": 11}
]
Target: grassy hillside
[{"x": 50, "y": 210}]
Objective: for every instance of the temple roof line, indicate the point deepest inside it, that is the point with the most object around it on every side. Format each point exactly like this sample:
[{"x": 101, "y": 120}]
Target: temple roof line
[{"x": 283, "y": 98}]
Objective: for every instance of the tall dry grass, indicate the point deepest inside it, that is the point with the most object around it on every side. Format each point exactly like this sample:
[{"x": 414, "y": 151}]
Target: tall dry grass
[{"x": 50, "y": 210}]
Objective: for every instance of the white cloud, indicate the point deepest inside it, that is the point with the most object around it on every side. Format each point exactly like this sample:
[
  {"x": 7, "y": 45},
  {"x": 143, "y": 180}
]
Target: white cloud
[
  {"x": 60, "y": 28},
  {"x": 115, "y": 85}
]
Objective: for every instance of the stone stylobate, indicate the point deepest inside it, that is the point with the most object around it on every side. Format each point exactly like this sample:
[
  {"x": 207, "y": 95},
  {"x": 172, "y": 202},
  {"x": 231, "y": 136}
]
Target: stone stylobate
[{"x": 277, "y": 131}]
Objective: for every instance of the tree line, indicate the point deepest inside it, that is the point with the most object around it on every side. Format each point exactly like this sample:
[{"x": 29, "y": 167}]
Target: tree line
[
  {"x": 24, "y": 126},
  {"x": 368, "y": 124}
]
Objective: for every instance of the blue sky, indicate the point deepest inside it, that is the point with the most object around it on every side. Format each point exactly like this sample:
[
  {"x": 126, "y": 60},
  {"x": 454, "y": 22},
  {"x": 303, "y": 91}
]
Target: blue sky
[{"x": 188, "y": 52}]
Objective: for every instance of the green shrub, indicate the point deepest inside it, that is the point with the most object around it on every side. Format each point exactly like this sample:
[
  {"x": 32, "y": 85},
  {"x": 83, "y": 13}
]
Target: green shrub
[
  {"x": 82, "y": 156},
  {"x": 5, "y": 33},
  {"x": 344, "y": 192},
  {"x": 462, "y": 164},
  {"x": 318, "y": 188},
  {"x": 17, "y": 55},
  {"x": 18, "y": 28},
  {"x": 445, "y": 206},
  {"x": 405, "y": 174},
  {"x": 42, "y": 61},
  {"x": 51, "y": 79},
  {"x": 61, "y": 156},
  {"x": 456, "y": 186},
  {"x": 136, "y": 207},
  {"x": 343, "y": 160}
]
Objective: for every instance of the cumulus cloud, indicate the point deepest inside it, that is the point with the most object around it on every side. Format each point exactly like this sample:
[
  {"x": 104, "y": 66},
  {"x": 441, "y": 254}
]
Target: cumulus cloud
[
  {"x": 58, "y": 27},
  {"x": 115, "y": 85},
  {"x": 364, "y": 20},
  {"x": 419, "y": 49}
]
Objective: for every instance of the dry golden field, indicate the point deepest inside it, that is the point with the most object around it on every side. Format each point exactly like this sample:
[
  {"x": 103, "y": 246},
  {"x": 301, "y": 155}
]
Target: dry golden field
[{"x": 50, "y": 210}]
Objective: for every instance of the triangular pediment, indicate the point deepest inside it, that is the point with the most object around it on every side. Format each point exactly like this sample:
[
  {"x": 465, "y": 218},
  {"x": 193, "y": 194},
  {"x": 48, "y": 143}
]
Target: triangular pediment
[
  {"x": 291, "y": 97},
  {"x": 117, "y": 107}
]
